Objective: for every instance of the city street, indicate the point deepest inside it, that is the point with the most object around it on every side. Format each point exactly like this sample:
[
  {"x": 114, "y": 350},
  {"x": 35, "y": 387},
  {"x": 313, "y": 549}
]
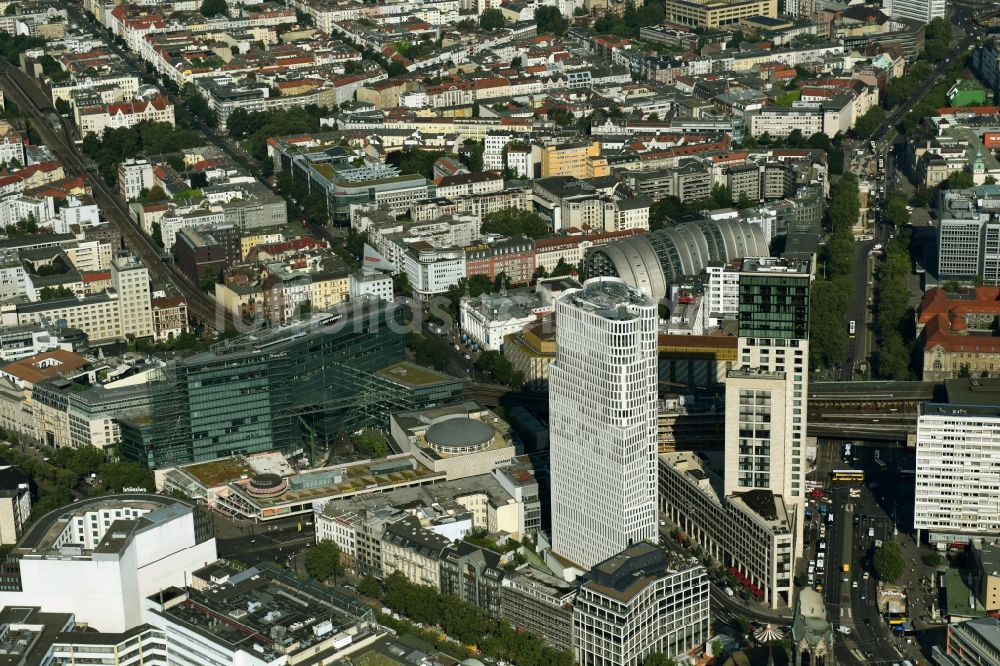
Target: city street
[{"x": 882, "y": 511}]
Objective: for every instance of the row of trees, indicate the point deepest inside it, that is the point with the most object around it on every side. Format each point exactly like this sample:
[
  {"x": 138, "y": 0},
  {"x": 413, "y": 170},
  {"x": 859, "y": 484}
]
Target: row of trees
[
  {"x": 893, "y": 325},
  {"x": 254, "y": 128},
  {"x": 146, "y": 138},
  {"x": 58, "y": 477},
  {"x": 464, "y": 622},
  {"x": 831, "y": 293},
  {"x": 497, "y": 365}
]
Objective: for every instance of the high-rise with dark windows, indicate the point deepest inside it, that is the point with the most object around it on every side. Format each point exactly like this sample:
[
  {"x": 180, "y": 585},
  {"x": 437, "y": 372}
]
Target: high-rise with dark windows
[{"x": 766, "y": 394}]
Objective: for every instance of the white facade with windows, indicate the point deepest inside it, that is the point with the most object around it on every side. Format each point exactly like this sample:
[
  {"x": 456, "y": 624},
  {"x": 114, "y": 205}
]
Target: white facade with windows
[
  {"x": 130, "y": 279},
  {"x": 111, "y": 552},
  {"x": 134, "y": 176},
  {"x": 640, "y": 602},
  {"x": 723, "y": 291},
  {"x": 924, "y": 11},
  {"x": 957, "y": 471},
  {"x": 603, "y": 415}
]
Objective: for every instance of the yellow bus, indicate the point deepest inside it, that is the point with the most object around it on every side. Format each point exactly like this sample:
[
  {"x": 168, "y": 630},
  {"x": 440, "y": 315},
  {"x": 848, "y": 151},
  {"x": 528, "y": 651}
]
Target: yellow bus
[{"x": 848, "y": 475}]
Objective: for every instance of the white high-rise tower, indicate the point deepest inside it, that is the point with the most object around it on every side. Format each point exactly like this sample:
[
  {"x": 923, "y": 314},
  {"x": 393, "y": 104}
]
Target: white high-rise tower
[{"x": 602, "y": 421}]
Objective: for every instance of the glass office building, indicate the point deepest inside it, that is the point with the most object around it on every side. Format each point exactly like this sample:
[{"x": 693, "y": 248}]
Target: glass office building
[{"x": 283, "y": 390}]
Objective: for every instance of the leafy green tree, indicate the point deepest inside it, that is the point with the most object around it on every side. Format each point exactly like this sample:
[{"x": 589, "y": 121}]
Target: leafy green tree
[
  {"x": 959, "y": 180},
  {"x": 931, "y": 559},
  {"x": 427, "y": 352},
  {"x": 889, "y": 562},
  {"x": 370, "y": 587},
  {"x": 664, "y": 210},
  {"x": 658, "y": 659},
  {"x": 417, "y": 160},
  {"x": 717, "y": 649},
  {"x": 868, "y": 123},
  {"x": 401, "y": 284},
  {"x": 562, "y": 268},
  {"x": 500, "y": 367},
  {"x": 513, "y": 222},
  {"x": 373, "y": 443},
  {"x": 893, "y": 358},
  {"x": 113, "y": 477},
  {"x": 208, "y": 280},
  {"x": 492, "y": 20},
  {"x": 323, "y": 561},
  {"x": 53, "y": 293},
  {"x": 550, "y": 20},
  {"x": 210, "y": 8},
  {"x": 895, "y": 209}
]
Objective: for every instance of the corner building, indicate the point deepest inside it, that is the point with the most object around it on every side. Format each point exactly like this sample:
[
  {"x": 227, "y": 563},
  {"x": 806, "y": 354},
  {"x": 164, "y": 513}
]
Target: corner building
[{"x": 602, "y": 413}]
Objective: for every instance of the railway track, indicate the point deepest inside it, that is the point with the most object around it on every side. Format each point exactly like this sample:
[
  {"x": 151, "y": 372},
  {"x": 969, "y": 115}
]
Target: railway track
[{"x": 30, "y": 99}]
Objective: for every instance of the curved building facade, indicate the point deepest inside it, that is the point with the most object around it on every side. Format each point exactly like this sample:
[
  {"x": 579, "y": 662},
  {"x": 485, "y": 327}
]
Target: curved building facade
[{"x": 651, "y": 262}]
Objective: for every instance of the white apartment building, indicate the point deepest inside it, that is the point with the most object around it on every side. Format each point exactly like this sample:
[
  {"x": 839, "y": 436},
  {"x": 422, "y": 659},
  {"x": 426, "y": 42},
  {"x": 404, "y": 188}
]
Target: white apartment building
[
  {"x": 17, "y": 206},
  {"x": 11, "y": 144},
  {"x": 639, "y": 602},
  {"x": 112, "y": 552},
  {"x": 130, "y": 279},
  {"x": 97, "y": 119},
  {"x": 202, "y": 215},
  {"x": 958, "y": 463},
  {"x": 723, "y": 292},
  {"x": 134, "y": 176},
  {"x": 603, "y": 415},
  {"x": 466, "y": 184}
]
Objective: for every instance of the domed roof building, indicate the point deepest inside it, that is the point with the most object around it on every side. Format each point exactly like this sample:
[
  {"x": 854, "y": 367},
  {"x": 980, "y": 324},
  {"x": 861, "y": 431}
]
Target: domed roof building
[{"x": 652, "y": 262}]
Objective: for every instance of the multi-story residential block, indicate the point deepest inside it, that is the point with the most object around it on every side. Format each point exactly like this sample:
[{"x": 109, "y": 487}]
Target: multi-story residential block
[
  {"x": 134, "y": 176},
  {"x": 170, "y": 317},
  {"x": 513, "y": 258},
  {"x": 11, "y": 145},
  {"x": 464, "y": 184},
  {"x": 955, "y": 496},
  {"x": 474, "y": 575},
  {"x": 489, "y": 318},
  {"x": 579, "y": 160},
  {"x": 130, "y": 279},
  {"x": 723, "y": 290},
  {"x": 97, "y": 119},
  {"x": 602, "y": 408},
  {"x": 207, "y": 252},
  {"x": 413, "y": 551},
  {"x": 638, "y": 602},
  {"x": 118, "y": 548}
]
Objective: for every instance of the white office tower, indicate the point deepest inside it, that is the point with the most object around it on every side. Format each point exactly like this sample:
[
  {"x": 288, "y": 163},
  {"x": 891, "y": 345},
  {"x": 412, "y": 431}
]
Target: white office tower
[
  {"x": 602, "y": 421},
  {"x": 924, "y": 11},
  {"x": 958, "y": 463}
]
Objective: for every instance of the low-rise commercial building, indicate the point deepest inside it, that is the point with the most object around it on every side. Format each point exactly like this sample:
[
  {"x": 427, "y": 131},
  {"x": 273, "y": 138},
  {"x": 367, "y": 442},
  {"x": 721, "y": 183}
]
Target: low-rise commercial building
[{"x": 459, "y": 440}]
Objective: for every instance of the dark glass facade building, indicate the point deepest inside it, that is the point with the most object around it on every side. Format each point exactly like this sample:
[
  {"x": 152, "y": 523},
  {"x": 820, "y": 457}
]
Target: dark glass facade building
[
  {"x": 774, "y": 300},
  {"x": 282, "y": 390}
]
